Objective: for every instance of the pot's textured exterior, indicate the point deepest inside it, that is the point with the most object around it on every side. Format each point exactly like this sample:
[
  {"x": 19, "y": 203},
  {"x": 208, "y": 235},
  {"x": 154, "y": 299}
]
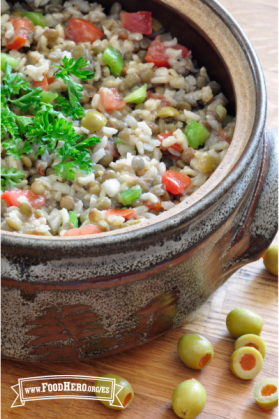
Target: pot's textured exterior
[{"x": 64, "y": 300}]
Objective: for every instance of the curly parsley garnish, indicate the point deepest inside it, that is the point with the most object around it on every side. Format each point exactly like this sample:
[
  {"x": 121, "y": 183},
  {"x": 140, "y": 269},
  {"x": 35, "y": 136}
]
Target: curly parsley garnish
[
  {"x": 74, "y": 89},
  {"x": 10, "y": 177},
  {"x": 47, "y": 129}
]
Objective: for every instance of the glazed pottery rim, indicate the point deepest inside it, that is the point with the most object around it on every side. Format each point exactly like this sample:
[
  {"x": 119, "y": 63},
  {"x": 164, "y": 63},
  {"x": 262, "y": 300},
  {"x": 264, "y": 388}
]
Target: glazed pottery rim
[{"x": 171, "y": 221}]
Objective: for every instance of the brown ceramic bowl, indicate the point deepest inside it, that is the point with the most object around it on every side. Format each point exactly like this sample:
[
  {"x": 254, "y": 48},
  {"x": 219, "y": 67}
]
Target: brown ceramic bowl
[{"x": 75, "y": 298}]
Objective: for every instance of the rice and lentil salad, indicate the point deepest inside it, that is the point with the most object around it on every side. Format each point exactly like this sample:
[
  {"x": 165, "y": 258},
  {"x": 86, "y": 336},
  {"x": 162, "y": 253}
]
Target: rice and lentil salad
[{"x": 106, "y": 120}]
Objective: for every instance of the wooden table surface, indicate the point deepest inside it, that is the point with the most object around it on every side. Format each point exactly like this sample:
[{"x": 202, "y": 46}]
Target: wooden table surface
[{"x": 154, "y": 370}]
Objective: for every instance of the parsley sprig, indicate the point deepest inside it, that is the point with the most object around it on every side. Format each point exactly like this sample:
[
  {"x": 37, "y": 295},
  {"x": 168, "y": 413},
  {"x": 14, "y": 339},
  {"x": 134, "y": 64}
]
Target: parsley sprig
[
  {"x": 10, "y": 177},
  {"x": 47, "y": 130},
  {"x": 13, "y": 84},
  {"x": 74, "y": 89}
]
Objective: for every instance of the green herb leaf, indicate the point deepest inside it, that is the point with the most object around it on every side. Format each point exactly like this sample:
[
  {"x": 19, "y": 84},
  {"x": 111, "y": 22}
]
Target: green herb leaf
[
  {"x": 65, "y": 107},
  {"x": 74, "y": 89},
  {"x": 10, "y": 177},
  {"x": 74, "y": 68},
  {"x": 13, "y": 145},
  {"x": 12, "y": 83}
]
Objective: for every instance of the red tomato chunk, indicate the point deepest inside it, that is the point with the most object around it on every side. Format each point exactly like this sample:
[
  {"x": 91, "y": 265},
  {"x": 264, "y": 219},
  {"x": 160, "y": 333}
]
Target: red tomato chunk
[
  {"x": 111, "y": 99},
  {"x": 43, "y": 84},
  {"x": 165, "y": 135},
  {"x": 83, "y": 231},
  {"x": 140, "y": 22},
  {"x": 176, "y": 183},
  {"x": 80, "y": 30},
  {"x": 23, "y": 28},
  {"x": 153, "y": 206},
  {"x": 36, "y": 201},
  {"x": 120, "y": 212},
  {"x": 157, "y": 53}
]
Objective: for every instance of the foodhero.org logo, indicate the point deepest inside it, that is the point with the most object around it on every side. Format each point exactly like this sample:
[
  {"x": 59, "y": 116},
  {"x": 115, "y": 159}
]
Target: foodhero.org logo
[{"x": 67, "y": 387}]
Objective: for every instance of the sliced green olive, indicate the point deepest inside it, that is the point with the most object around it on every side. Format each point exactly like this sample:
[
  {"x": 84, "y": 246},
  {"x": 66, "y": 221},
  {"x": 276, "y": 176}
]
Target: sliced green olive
[
  {"x": 207, "y": 164},
  {"x": 254, "y": 341},
  {"x": 195, "y": 351},
  {"x": 265, "y": 393},
  {"x": 246, "y": 363},
  {"x": 167, "y": 111},
  {"x": 242, "y": 321},
  {"x": 94, "y": 121},
  {"x": 270, "y": 259},
  {"x": 125, "y": 395},
  {"x": 188, "y": 399}
]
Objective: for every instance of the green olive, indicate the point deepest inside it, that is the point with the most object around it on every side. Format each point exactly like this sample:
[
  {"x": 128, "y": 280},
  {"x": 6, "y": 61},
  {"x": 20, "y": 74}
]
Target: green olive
[
  {"x": 270, "y": 259},
  {"x": 188, "y": 399},
  {"x": 94, "y": 121},
  {"x": 167, "y": 111},
  {"x": 242, "y": 321},
  {"x": 265, "y": 393},
  {"x": 195, "y": 351},
  {"x": 246, "y": 363},
  {"x": 253, "y": 341},
  {"x": 125, "y": 395},
  {"x": 207, "y": 164}
]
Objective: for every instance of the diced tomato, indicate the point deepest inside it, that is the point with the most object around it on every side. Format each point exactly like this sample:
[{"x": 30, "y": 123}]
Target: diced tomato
[
  {"x": 156, "y": 53},
  {"x": 140, "y": 22},
  {"x": 165, "y": 135},
  {"x": 111, "y": 147},
  {"x": 36, "y": 201},
  {"x": 51, "y": 79},
  {"x": 111, "y": 99},
  {"x": 120, "y": 212},
  {"x": 43, "y": 84},
  {"x": 176, "y": 182},
  {"x": 164, "y": 101},
  {"x": 153, "y": 206},
  {"x": 83, "y": 231},
  {"x": 23, "y": 28},
  {"x": 176, "y": 147},
  {"x": 80, "y": 31},
  {"x": 185, "y": 50}
]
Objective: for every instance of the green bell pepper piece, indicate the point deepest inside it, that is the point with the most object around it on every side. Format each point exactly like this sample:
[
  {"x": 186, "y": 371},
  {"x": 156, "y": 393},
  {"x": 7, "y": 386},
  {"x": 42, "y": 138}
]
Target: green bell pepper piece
[
  {"x": 37, "y": 18},
  {"x": 73, "y": 218},
  {"x": 114, "y": 60},
  {"x": 5, "y": 58},
  {"x": 130, "y": 195},
  {"x": 48, "y": 96},
  {"x": 138, "y": 95},
  {"x": 196, "y": 133}
]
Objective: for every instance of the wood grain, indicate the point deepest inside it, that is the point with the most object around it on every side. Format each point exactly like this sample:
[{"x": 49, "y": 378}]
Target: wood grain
[{"x": 154, "y": 370}]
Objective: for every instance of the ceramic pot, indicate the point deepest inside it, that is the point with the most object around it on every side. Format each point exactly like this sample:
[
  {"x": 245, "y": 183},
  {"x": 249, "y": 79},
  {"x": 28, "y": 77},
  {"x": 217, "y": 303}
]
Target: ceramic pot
[{"x": 76, "y": 298}]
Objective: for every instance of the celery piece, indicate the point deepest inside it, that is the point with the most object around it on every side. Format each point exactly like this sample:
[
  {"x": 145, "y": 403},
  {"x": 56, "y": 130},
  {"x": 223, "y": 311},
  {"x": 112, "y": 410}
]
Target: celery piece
[
  {"x": 48, "y": 96},
  {"x": 73, "y": 218},
  {"x": 37, "y": 18},
  {"x": 137, "y": 96},
  {"x": 114, "y": 60},
  {"x": 130, "y": 195},
  {"x": 196, "y": 133},
  {"x": 222, "y": 112},
  {"x": 5, "y": 58},
  {"x": 118, "y": 141}
]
